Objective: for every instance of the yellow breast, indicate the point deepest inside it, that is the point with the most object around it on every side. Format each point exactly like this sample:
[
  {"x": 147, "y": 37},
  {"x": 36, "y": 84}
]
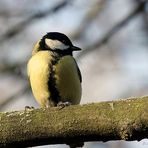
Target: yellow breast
[
  {"x": 38, "y": 70},
  {"x": 65, "y": 75},
  {"x": 67, "y": 80}
]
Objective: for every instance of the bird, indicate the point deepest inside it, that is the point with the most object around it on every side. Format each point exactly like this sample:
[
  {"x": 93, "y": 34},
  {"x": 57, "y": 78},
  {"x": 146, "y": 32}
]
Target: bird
[{"x": 54, "y": 75}]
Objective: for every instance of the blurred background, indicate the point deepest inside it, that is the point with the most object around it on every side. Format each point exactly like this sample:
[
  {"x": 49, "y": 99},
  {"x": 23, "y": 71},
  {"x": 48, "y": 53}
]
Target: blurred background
[{"x": 114, "y": 61}]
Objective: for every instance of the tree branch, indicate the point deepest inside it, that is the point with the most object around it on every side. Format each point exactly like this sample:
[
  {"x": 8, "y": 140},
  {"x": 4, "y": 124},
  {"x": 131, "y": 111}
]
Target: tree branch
[{"x": 112, "y": 120}]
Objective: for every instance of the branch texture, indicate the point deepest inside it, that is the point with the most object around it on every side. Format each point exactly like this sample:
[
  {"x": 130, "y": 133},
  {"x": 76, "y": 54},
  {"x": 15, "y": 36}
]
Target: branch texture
[{"x": 112, "y": 120}]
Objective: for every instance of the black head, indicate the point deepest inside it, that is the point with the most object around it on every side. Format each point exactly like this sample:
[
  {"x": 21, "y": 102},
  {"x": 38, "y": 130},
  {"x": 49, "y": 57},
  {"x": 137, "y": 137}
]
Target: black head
[{"x": 57, "y": 42}]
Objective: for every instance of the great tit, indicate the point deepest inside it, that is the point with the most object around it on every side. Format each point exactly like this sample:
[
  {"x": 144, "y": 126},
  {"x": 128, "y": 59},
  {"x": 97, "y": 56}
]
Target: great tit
[{"x": 54, "y": 75}]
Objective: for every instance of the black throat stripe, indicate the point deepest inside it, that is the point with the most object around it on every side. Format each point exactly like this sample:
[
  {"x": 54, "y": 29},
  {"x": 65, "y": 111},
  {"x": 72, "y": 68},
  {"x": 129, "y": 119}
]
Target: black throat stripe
[{"x": 54, "y": 93}]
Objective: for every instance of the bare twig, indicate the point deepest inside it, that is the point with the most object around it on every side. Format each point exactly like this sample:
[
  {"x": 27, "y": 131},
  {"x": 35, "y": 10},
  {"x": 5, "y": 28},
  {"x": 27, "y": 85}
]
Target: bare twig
[
  {"x": 87, "y": 20},
  {"x": 112, "y": 31},
  {"x": 22, "y": 25}
]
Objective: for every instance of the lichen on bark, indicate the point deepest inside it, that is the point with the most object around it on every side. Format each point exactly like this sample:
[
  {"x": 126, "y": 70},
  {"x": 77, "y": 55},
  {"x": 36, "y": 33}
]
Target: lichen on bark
[{"x": 125, "y": 119}]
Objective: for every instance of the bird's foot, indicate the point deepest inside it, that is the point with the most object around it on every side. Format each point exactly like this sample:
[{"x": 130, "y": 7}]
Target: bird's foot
[
  {"x": 29, "y": 107},
  {"x": 63, "y": 104}
]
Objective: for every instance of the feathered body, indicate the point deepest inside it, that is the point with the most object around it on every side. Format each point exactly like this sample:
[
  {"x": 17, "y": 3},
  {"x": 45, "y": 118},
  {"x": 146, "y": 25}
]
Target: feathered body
[{"x": 54, "y": 75}]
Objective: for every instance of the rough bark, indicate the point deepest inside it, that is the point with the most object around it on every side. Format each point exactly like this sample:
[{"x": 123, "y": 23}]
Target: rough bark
[{"x": 112, "y": 120}]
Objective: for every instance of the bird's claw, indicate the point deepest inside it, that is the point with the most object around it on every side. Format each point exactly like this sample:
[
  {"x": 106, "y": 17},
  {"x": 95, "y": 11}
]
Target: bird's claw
[
  {"x": 29, "y": 107},
  {"x": 63, "y": 104}
]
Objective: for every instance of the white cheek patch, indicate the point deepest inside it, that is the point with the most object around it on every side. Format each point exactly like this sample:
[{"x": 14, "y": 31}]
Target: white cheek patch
[{"x": 55, "y": 44}]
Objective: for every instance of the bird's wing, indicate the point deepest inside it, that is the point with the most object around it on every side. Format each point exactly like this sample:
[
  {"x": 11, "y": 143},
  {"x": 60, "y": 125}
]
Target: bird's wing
[{"x": 79, "y": 72}]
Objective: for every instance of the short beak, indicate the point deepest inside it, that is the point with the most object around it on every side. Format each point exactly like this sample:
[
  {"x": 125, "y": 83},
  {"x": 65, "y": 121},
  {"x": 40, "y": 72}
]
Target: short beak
[{"x": 74, "y": 48}]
